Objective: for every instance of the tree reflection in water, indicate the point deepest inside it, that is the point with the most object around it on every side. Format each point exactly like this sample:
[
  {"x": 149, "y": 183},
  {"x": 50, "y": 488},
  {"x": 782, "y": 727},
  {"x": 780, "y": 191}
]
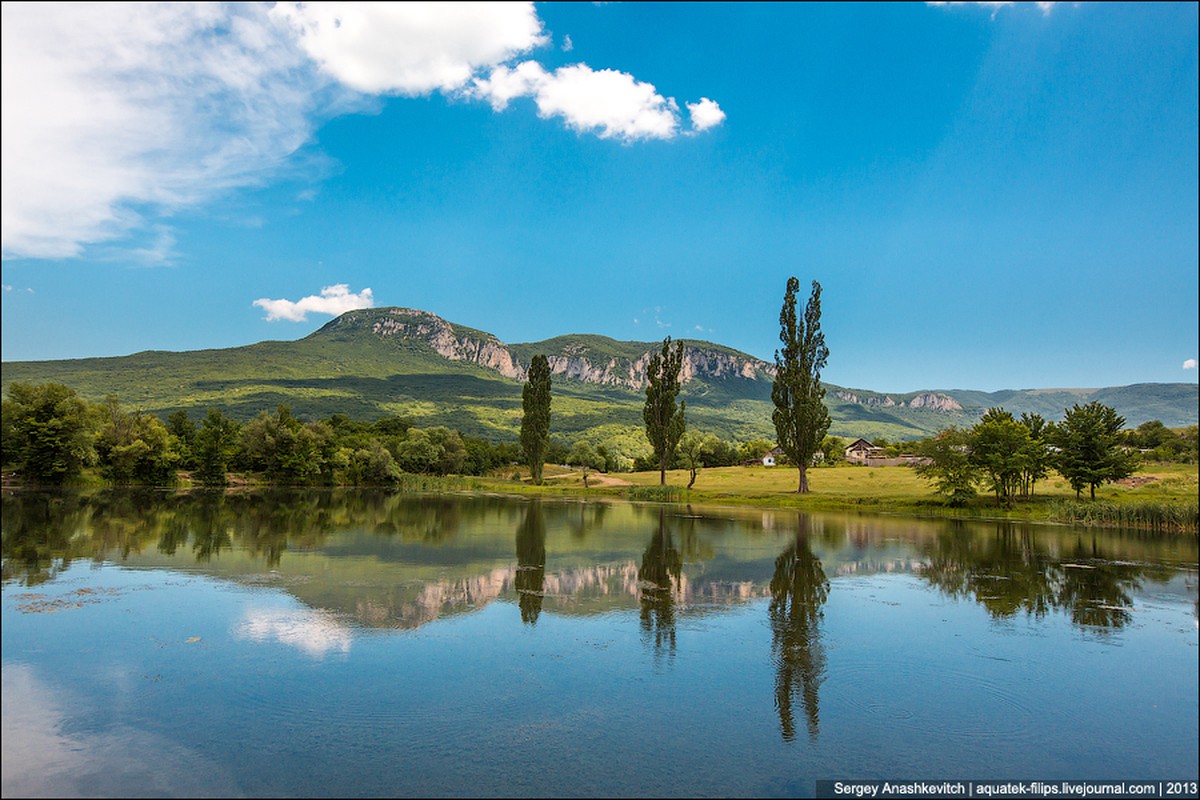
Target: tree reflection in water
[
  {"x": 1012, "y": 571},
  {"x": 660, "y": 571},
  {"x": 531, "y": 562},
  {"x": 799, "y": 588}
]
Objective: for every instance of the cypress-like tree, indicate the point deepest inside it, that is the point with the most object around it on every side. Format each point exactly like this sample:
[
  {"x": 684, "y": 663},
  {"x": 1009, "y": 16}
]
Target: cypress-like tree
[
  {"x": 535, "y": 424},
  {"x": 800, "y": 417},
  {"x": 665, "y": 423}
]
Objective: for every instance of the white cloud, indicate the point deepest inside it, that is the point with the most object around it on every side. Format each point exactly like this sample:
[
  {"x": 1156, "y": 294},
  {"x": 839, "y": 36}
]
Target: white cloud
[
  {"x": 705, "y": 114},
  {"x": 411, "y": 48},
  {"x": 115, "y": 116},
  {"x": 994, "y": 5},
  {"x": 567, "y": 45},
  {"x": 606, "y": 102},
  {"x": 333, "y": 300},
  {"x": 115, "y": 112},
  {"x": 1189, "y": 364}
]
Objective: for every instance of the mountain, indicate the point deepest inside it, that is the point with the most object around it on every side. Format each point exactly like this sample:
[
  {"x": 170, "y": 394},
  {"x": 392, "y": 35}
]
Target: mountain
[{"x": 381, "y": 361}]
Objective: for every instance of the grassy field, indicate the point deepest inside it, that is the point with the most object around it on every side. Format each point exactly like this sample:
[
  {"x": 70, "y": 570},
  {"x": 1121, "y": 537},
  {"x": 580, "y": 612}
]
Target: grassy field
[{"x": 893, "y": 490}]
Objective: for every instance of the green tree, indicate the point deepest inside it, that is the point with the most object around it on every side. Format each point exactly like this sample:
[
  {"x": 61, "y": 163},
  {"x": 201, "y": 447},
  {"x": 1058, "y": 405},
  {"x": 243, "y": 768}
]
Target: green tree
[
  {"x": 665, "y": 422},
  {"x": 583, "y": 455},
  {"x": 1149, "y": 435},
  {"x": 754, "y": 449},
  {"x": 693, "y": 448},
  {"x": 535, "y": 422},
  {"x": 451, "y": 452},
  {"x": 1037, "y": 453},
  {"x": 372, "y": 465},
  {"x": 947, "y": 465},
  {"x": 417, "y": 452},
  {"x": 801, "y": 418},
  {"x": 834, "y": 449},
  {"x": 282, "y": 447},
  {"x": 134, "y": 448},
  {"x": 47, "y": 432},
  {"x": 215, "y": 447},
  {"x": 1090, "y": 451},
  {"x": 181, "y": 427},
  {"x": 999, "y": 448}
]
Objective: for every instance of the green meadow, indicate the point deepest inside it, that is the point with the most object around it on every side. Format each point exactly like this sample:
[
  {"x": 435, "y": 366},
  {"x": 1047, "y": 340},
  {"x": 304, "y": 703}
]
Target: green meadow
[{"x": 1162, "y": 495}]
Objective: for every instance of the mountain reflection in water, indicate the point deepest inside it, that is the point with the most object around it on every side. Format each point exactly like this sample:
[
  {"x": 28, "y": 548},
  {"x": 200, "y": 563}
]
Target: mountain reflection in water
[{"x": 658, "y": 634}]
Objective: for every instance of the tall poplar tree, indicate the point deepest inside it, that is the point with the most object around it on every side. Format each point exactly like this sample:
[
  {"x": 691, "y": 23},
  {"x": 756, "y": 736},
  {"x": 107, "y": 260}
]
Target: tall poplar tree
[
  {"x": 535, "y": 424},
  {"x": 801, "y": 418},
  {"x": 665, "y": 422}
]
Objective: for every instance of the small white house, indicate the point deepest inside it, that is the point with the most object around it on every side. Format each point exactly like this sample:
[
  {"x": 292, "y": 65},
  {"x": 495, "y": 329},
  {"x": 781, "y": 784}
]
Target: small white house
[{"x": 768, "y": 460}]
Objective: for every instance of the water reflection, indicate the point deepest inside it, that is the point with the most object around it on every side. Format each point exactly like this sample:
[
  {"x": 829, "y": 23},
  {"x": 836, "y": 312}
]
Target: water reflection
[
  {"x": 799, "y": 589},
  {"x": 661, "y": 569},
  {"x": 44, "y": 755},
  {"x": 1013, "y": 570},
  {"x": 531, "y": 562},
  {"x": 314, "y": 633},
  {"x": 306, "y": 603},
  {"x": 397, "y": 560}
]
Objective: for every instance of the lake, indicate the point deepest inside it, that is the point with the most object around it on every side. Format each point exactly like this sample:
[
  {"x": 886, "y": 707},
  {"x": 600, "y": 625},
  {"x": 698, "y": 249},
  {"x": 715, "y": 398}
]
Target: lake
[{"x": 346, "y": 643}]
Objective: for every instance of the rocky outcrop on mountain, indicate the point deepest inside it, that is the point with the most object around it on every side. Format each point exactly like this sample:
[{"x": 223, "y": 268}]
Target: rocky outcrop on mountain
[
  {"x": 935, "y": 401},
  {"x": 931, "y": 401},
  {"x": 485, "y": 350},
  {"x": 867, "y": 400},
  {"x": 576, "y": 362}
]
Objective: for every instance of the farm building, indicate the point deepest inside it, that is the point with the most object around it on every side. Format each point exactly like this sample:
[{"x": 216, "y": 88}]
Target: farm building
[{"x": 860, "y": 450}]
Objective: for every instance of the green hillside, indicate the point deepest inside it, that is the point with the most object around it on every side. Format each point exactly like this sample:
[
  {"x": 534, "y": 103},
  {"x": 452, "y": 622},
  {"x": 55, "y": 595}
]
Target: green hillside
[{"x": 355, "y": 367}]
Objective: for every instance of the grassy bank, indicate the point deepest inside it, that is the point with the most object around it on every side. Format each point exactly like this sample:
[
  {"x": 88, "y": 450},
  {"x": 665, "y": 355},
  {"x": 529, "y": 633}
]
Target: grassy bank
[{"x": 1160, "y": 497}]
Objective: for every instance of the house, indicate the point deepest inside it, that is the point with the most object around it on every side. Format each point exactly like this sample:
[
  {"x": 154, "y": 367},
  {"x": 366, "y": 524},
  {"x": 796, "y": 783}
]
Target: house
[
  {"x": 771, "y": 458},
  {"x": 860, "y": 450}
]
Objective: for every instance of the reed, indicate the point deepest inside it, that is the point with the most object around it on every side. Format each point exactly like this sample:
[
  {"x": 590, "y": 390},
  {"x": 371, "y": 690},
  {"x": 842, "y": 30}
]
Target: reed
[{"x": 1181, "y": 516}]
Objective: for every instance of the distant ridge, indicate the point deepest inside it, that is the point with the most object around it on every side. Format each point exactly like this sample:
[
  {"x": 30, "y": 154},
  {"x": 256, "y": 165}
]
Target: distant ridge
[{"x": 400, "y": 361}]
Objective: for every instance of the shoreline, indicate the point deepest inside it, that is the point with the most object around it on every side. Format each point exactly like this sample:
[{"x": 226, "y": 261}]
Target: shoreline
[{"x": 1165, "y": 502}]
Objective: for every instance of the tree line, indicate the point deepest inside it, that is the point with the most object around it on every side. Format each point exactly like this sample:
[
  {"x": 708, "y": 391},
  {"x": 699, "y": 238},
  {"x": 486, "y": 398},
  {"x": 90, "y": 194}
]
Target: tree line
[
  {"x": 1007, "y": 456},
  {"x": 50, "y": 434}
]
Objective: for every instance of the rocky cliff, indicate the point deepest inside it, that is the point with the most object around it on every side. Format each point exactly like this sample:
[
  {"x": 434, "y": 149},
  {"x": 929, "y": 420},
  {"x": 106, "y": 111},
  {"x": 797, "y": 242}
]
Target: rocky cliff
[
  {"x": 931, "y": 401},
  {"x": 591, "y": 359}
]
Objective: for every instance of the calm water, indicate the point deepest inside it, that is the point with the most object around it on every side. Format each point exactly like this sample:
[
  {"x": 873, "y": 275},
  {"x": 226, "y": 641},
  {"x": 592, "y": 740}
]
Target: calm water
[{"x": 369, "y": 644}]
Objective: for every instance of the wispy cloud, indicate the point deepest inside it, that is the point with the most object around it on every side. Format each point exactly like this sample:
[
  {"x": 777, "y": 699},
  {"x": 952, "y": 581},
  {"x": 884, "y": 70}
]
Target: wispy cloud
[
  {"x": 333, "y": 300},
  {"x": 995, "y": 5},
  {"x": 113, "y": 113},
  {"x": 1189, "y": 363},
  {"x": 116, "y": 116}
]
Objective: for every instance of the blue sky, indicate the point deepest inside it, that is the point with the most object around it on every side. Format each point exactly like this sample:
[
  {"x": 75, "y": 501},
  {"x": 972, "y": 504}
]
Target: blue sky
[{"x": 992, "y": 196}]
